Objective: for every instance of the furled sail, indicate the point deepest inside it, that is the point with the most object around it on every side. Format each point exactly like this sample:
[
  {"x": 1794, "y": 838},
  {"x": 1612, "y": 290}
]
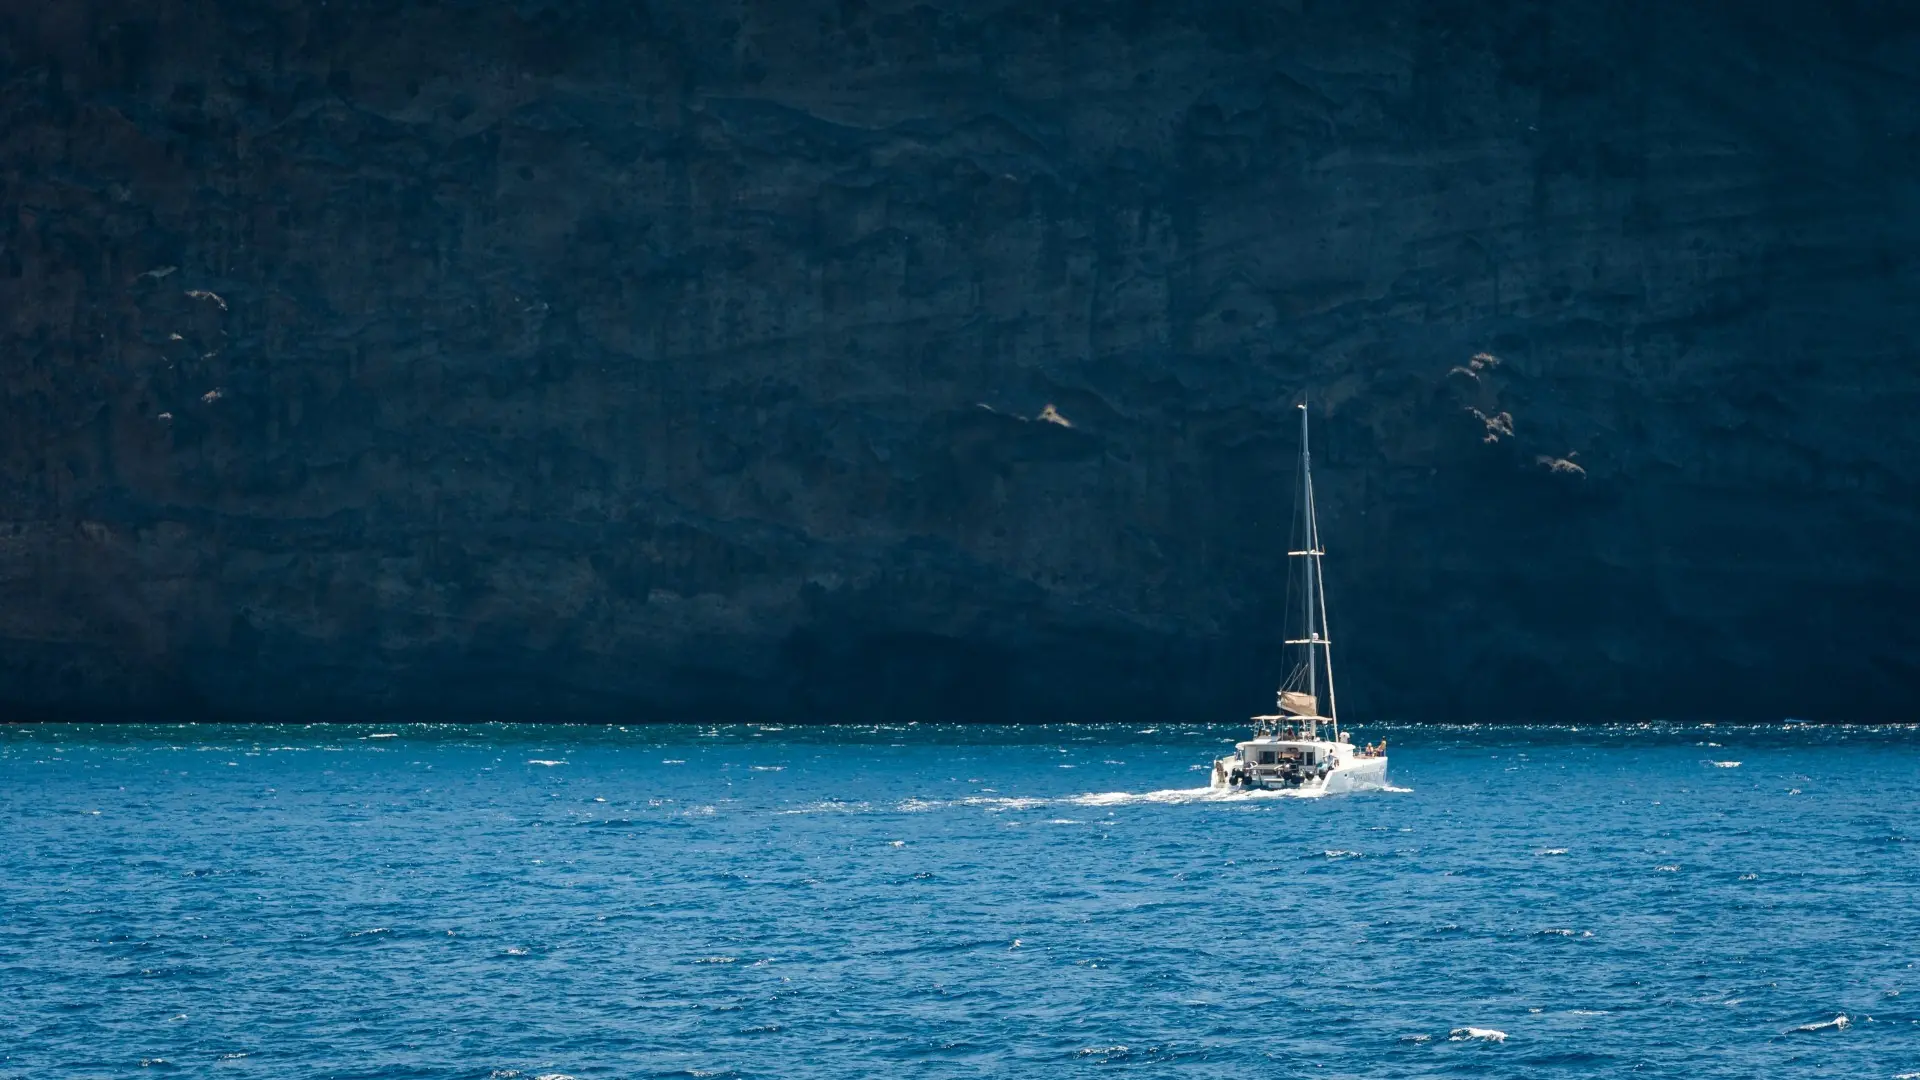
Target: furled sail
[{"x": 1299, "y": 703}]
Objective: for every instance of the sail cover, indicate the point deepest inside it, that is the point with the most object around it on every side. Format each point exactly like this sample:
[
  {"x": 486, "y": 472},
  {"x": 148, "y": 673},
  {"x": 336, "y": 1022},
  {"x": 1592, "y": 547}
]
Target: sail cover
[{"x": 1296, "y": 702}]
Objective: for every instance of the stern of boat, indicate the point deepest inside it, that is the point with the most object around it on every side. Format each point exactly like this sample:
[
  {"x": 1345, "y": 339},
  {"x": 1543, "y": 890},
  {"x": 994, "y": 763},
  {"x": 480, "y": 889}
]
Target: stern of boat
[{"x": 1222, "y": 771}]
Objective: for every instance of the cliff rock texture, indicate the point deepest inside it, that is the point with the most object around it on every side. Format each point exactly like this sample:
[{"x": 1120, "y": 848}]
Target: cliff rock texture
[{"x": 883, "y": 360}]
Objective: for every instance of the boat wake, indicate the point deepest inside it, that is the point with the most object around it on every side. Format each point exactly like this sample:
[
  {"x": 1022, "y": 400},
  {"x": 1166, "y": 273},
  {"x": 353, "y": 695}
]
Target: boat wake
[
  {"x": 1164, "y": 797},
  {"x": 1181, "y": 796}
]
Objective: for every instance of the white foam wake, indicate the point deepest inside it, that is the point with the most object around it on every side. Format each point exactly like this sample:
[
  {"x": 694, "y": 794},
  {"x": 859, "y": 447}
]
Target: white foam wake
[
  {"x": 1163, "y": 797},
  {"x": 1180, "y": 796}
]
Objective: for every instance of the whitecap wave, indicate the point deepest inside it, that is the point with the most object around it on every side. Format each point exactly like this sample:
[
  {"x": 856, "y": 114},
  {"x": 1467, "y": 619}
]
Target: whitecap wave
[
  {"x": 545, "y": 761},
  {"x": 1004, "y": 803},
  {"x": 1473, "y": 1034},
  {"x": 1724, "y": 764},
  {"x": 1838, "y": 1023},
  {"x": 831, "y": 806}
]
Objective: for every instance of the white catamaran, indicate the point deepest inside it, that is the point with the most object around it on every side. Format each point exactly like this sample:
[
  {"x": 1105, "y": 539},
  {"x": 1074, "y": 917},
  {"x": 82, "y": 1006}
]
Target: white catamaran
[{"x": 1298, "y": 747}]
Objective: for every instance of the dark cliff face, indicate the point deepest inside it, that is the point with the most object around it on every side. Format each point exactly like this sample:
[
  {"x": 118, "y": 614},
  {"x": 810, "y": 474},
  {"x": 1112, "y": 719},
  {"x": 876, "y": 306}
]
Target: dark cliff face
[{"x": 692, "y": 359}]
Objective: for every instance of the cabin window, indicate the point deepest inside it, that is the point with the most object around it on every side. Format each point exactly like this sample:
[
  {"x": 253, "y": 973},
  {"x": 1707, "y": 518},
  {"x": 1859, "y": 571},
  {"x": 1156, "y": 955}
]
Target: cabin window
[
  {"x": 1267, "y": 757},
  {"x": 1309, "y": 759}
]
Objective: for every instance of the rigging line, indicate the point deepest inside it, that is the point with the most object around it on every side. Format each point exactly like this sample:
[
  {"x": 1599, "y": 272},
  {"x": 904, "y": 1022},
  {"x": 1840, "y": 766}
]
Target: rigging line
[
  {"x": 1326, "y": 633},
  {"x": 1313, "y": 561}
]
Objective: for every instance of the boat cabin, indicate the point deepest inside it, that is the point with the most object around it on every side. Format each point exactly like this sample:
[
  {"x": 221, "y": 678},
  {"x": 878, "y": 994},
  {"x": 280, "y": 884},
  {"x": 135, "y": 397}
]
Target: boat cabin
[{"x": 1268, "y": 752}]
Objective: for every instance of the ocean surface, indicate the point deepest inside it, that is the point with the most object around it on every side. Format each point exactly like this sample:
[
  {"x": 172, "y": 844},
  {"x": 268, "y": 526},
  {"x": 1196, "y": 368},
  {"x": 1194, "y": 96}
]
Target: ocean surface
[{"x": 544, "y": 901}]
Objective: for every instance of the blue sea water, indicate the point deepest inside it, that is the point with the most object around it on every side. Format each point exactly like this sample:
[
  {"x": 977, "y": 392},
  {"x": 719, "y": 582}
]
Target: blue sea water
[{"x": 539, "y": 901}]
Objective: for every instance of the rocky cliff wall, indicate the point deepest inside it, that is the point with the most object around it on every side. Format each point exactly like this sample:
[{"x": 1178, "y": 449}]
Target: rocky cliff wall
[{"x": 881, "y": 360}]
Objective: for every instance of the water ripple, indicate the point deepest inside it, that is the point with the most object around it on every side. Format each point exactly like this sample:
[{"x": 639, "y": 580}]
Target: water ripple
[{"x": 528, "y": 902}]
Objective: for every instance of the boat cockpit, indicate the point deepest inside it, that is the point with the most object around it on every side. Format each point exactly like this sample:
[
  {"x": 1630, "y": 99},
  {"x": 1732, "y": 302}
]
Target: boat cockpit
[{"x": 1288, "y": 761}]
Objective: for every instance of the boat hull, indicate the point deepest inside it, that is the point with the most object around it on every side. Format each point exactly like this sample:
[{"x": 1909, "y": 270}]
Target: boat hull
[
  {"x": 1353, "y": 774},
  {"x": 1368, "y": 772}
]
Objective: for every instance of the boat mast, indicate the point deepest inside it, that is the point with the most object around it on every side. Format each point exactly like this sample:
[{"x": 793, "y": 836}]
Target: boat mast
[{"x": 1315, "y": 595}]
